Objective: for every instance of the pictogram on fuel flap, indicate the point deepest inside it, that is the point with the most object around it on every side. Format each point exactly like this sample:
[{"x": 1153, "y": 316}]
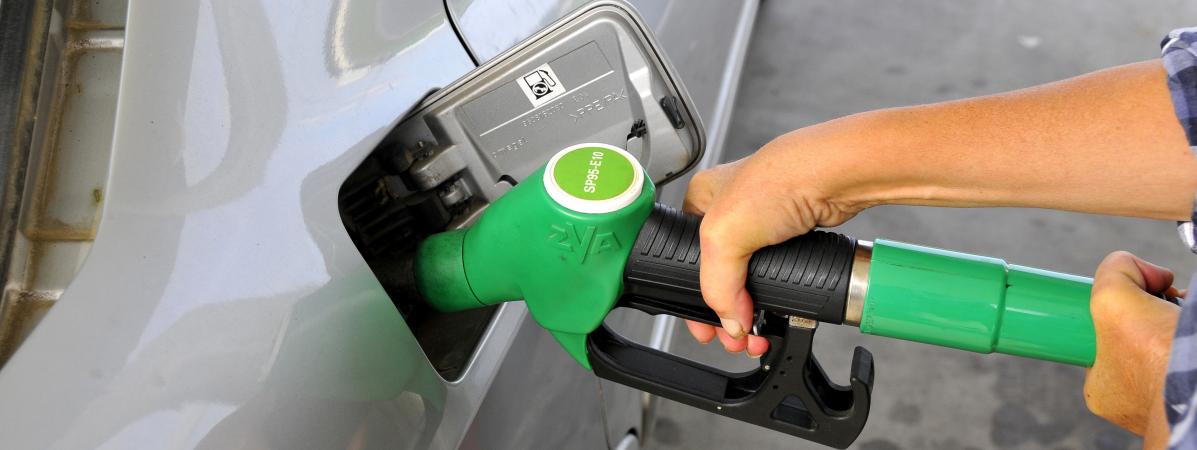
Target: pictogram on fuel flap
[{"x": 541, "y": 85}]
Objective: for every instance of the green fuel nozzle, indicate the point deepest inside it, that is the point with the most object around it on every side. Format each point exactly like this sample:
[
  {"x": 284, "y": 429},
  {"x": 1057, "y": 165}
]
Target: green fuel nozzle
[
  {"x": 559, "y": 241},
  {"x": 572, "y": 243},
  {"x": 582, "y": 236}
]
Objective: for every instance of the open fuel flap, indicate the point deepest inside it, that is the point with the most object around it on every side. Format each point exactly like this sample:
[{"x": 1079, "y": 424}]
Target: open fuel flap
[{"x": 596, "y": 75}]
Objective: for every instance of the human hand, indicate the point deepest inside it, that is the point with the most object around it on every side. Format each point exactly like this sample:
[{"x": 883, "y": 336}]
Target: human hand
[
  {"x": 1134, "y": 336},
  {"x": 783, "y": 190}
]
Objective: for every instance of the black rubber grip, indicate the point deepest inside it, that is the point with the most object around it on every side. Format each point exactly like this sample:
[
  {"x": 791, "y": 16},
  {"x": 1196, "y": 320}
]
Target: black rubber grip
[{"x": 806, "y": 276}]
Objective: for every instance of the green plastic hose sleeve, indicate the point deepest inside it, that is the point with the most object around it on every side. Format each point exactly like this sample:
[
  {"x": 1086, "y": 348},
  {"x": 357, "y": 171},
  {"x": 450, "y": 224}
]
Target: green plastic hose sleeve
[{"x": 977, "y": 303}]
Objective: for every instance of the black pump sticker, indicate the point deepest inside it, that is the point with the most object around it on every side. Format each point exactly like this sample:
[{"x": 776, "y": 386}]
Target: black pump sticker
[{"x": 541, "y": 85}]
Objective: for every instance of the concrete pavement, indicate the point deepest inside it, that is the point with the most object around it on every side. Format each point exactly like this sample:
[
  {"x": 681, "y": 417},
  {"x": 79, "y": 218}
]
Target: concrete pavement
[{"x": 815, "y": 60}]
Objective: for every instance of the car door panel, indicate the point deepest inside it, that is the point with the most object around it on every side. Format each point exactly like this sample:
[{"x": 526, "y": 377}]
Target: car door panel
[{"x": 223, "y": 304}]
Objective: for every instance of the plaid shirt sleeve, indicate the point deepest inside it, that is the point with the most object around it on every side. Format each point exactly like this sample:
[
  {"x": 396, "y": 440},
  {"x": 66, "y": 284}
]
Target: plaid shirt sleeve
[
  {"x": 1180, "y": 61},
  {"x": 1180, "y": 385}
]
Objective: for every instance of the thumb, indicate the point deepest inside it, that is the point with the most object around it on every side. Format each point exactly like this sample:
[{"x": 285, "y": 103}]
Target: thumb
[
  {"x": 1123, "y": 290},
  {"x": 723, "y": 270},
  {"x": 722, "y": 274},
  {"x": 1125, "y": 269}
]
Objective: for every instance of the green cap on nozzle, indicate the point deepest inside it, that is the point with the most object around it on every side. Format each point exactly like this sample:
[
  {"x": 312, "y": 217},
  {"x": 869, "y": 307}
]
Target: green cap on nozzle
[{"x": 593, "y": 178}]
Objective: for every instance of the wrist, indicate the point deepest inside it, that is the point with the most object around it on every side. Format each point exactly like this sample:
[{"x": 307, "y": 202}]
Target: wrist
[
  {"x": 1155, "y": 437},
  {"x": 850, "y": 162}
]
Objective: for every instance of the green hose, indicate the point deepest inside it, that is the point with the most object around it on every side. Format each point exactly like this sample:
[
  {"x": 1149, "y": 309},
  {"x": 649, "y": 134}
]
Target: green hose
[{"x": 977, "y": 303}]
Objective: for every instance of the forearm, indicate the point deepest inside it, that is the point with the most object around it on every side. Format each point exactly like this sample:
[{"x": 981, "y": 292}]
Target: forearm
[{"x": 1107, "y": 142}]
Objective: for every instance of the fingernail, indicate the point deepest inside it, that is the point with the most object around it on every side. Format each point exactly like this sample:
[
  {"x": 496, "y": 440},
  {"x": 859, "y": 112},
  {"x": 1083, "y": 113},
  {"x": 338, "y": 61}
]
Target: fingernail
[
  {"x": 750, "y": 355},
  {"x": 732, "y": 328}
]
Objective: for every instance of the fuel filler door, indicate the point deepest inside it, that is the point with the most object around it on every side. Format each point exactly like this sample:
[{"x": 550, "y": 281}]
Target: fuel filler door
[{"x": 594, "y": 76}]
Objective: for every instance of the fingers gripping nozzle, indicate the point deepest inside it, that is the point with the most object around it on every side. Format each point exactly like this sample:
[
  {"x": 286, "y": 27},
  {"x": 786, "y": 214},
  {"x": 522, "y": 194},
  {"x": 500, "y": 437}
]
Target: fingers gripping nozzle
[{"x": 805, "y": 278}]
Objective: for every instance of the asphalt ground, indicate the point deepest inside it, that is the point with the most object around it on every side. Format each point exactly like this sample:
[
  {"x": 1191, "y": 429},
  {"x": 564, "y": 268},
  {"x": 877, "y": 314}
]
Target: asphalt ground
[{"x": 816, "y": 60}]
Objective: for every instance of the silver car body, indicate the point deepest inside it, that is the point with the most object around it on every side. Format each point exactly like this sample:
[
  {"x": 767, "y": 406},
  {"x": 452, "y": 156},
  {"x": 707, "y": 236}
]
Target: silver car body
[{"x": 223, "y": 305}]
